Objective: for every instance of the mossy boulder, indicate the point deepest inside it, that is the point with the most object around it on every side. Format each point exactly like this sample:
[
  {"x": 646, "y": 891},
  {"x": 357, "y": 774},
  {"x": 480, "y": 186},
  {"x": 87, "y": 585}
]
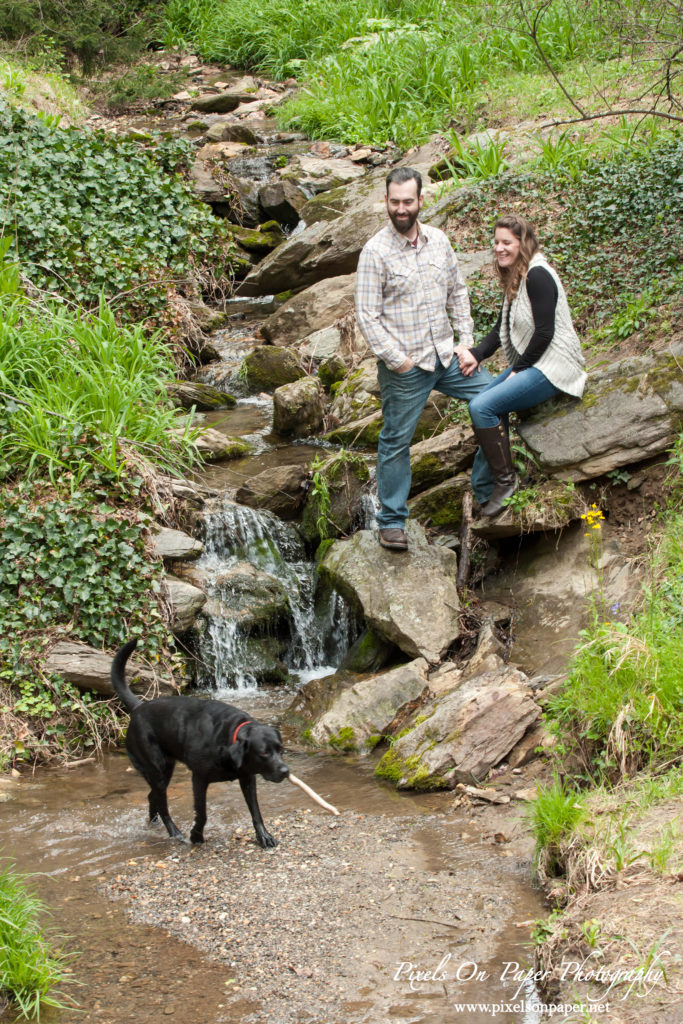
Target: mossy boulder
[
  {"x": 369, "y": 653},
  {"x": 268, "y": 367},
  {"x": 204, "y": 397},
  {"x": 465, "y": 733},
  {"x": 299, "y": 408},
  {"x": 440, "y": 507},
  {"x": 334, "y": 504},
  {"x": 438, "y": 458},
  {"x": 260, "y": 240},
  {"x": 331, "y": 370}
]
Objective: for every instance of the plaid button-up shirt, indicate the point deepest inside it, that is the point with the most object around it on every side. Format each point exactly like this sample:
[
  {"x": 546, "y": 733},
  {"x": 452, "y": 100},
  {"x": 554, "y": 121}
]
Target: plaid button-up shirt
[{"x": 409, "y": 300}]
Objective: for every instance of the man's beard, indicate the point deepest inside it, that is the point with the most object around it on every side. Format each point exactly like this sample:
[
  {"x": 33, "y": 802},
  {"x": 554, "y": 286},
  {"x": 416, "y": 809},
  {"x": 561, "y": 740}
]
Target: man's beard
[{"x": 403, "y": 225}]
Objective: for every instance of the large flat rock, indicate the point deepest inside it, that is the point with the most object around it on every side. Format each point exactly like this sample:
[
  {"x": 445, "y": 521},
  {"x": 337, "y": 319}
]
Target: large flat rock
[
  {"x": 408, "y": 598},
  {"x": 630, "y": 412},
  {"x": 465, "y": 733}
]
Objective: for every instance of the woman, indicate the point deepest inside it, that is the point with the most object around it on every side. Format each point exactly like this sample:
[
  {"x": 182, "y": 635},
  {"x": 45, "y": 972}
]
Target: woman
[{"x": 541, "y": 346}]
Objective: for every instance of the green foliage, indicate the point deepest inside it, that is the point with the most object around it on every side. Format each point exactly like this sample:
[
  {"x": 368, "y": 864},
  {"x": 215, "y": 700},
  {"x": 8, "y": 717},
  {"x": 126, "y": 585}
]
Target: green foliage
[
  {"x": 93, "y": 31},
  {"x": 380, "y": 70},
  {"x": 621, "y": 707},
  {"x": 71, "y": 564},
  {"x": 29, "y": 968},
  {"x": 552, "y": 817},
  {"x": 614, "y": 234},
  {"x": 93, "y": 215},
  {"x": 477, "y": 160},
  {"x": 141, "y": 84},
  {"x": 77, "y": 390}
]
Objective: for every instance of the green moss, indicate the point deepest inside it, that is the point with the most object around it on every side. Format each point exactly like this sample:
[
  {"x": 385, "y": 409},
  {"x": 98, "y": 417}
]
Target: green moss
[
  {"x": 236, "y": 448},
  {"x": 307, "y": 736},
  {"x": 322, "y": 549},
  {"x": 284, "y": 296},
  {"x": 344, "y": 740},
  {"x": 372, "y": 741},
  {"x": 390, "y": 767}
]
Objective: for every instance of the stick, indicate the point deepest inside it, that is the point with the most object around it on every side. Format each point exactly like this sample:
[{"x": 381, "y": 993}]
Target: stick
[
  {"x": 465, "y": 540},
  {"x": 312, "y": 793}
]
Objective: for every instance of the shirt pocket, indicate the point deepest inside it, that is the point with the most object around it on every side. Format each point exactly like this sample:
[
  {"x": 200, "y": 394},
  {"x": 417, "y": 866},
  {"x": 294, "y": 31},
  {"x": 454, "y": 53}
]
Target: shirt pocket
[
  {"x": 438, "y": 273},
  {"x": 401, "y": 277}
]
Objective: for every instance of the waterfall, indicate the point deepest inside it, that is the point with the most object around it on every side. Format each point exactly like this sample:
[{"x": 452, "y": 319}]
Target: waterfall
[{"x": 318, "y": 625}]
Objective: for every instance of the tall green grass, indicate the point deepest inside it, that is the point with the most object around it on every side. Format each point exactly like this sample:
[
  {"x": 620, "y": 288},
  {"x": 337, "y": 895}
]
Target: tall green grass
[
  {"x": 379, "y": 70},
  {"x": 29, "y": 968},
  {"x": 78, "y": 390}
]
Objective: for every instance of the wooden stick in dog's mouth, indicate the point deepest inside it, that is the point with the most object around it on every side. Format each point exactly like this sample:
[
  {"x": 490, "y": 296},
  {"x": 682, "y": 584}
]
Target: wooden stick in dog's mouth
[{"x": 312, "y": 793}]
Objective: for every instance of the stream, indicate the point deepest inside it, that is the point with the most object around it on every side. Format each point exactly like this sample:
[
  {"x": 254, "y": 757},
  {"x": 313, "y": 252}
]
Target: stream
[{"x": 408, "y": 882}]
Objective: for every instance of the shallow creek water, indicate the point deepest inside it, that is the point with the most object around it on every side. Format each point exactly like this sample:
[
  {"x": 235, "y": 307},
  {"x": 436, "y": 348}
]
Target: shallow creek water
[{"x": 82, "y": 828}]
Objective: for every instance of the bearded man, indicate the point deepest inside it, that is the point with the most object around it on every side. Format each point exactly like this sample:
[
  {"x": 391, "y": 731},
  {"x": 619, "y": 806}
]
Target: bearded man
[{"x": 410, "y": 297}]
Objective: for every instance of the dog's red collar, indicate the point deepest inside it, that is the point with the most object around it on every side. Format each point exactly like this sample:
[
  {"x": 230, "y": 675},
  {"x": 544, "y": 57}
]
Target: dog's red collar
[{"x": 234, "y": 735}]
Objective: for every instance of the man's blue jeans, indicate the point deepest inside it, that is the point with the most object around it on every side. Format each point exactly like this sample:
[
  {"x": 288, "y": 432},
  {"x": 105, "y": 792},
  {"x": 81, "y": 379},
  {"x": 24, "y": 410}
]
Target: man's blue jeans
[
  {"x": 404, "y": 396},
  {"x": 510, "y": 394}
]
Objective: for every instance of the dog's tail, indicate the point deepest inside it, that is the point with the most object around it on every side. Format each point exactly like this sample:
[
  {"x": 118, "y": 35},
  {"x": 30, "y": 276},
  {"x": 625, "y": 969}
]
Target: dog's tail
[{"x": 118, "y": 676}]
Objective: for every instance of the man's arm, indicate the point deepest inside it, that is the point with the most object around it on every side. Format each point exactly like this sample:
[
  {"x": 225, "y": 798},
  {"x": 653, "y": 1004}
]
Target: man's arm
[
  {"x": 369, "y": 305},
  {"x": 458, "y": 302}
]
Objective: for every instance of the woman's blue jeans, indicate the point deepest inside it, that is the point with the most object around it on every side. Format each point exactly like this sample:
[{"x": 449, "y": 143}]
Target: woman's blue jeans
[
  {"x": 510, "y": 394},
  {"x": 404, "y": 396}
]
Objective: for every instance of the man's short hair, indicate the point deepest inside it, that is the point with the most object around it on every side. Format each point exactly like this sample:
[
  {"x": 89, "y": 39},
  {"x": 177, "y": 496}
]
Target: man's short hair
[{"x": 400, "y": 175}]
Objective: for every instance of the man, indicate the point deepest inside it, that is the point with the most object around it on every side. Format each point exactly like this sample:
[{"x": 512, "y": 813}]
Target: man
[{"x": 410, "y": 296}]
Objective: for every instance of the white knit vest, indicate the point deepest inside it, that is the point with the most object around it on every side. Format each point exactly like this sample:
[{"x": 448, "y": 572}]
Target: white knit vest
[{"x": 562, "y": 362}]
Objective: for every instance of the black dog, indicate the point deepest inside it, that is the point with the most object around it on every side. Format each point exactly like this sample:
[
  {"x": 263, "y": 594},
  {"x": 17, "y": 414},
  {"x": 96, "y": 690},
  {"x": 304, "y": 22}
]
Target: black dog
[{"x": 217, "y": 742}]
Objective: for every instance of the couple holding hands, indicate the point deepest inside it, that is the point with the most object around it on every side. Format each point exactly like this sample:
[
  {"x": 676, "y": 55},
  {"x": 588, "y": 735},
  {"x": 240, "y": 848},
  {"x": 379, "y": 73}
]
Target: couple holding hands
[{"x": 410, "y": 298}]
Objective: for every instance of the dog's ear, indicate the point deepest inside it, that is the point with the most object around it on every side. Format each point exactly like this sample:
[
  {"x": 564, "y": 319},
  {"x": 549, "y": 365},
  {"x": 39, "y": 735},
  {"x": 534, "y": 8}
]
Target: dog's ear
[{"x": 233, "y": 755}]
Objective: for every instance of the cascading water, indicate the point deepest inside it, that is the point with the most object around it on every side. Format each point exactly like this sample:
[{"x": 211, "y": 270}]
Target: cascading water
[{"x": 249, "y": 551}]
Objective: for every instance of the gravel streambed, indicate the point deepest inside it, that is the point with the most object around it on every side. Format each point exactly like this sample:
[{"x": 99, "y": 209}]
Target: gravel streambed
[{"x": 315, "y": 929}]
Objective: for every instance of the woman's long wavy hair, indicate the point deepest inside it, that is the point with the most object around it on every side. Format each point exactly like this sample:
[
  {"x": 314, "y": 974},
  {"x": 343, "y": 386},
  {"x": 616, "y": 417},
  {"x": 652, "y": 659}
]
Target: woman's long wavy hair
[{"x": 510, "y": 278}]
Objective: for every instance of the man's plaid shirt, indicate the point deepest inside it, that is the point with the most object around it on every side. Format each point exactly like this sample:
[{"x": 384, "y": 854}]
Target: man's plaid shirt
[{"x": 409, "y": 301}]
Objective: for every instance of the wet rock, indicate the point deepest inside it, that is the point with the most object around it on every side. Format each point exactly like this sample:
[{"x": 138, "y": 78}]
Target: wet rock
[
  {"x": 369, "y": 653},
  {"x": 365, "y": 711},
  {"x": 175, "y": 545},
  {"x": 299, "y": 408},
  {"x": 420, "y": 619},
  {"x": 283, "y": 201},
  {"x": 89, "y": 669},
  {"x": 440, "y": 507},
  {"x": 223, "y": 102},
  {"x": 185, "y": 601},
  {"x": 311, "y": 310},
  {"x": 630, "y": 412},
  {"x": 214, "y": 446},
  {"x": 342, "y": 480},
  {"x": 208, "y": 188},
  {"x": 249, "y": 597},
  {"x": 267, "y": 368},
  {"x": 220, "y": 152},
  {"x": 463, "y": 734},
  {"x": 324, "y": 249},
  {"x": 188, "y": 393},
  {"x": 278, "y": 489},
  {"x": 438, "y": 458}
]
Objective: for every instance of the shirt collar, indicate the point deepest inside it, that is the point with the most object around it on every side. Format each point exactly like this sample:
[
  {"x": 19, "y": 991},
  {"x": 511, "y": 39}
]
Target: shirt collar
[{"x": 402, "y": 242}]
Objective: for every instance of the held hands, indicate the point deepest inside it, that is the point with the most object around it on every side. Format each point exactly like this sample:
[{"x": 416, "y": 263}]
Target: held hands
[{"x": 466, "y": 361}]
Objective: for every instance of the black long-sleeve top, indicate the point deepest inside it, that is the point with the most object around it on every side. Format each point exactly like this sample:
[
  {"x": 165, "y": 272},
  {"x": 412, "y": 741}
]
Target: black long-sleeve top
[{"x": 542, "y": 292}]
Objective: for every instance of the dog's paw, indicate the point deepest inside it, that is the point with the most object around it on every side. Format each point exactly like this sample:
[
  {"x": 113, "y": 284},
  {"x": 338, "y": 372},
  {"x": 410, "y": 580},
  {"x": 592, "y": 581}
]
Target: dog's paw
[
  {"x": 266, "y": 841},
  {"x": 196, "y": 837}
]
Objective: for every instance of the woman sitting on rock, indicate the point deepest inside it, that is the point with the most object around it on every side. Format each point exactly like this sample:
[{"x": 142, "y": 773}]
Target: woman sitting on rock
[{"x": 539, "y": 341}]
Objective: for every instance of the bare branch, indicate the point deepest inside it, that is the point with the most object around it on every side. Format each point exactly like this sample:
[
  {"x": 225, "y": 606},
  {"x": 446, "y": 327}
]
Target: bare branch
[{"x": 533, "y": 32}]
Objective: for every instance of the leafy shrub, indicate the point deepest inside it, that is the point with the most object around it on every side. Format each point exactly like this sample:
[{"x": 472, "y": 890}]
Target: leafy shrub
[
  {"x": 29, "y": 968},
  {"x": 71, "y": 564},
  {"x": 93, "y": 214},
  {"x": 90, "y": 30},
  {"x": 614, "y": 230}
]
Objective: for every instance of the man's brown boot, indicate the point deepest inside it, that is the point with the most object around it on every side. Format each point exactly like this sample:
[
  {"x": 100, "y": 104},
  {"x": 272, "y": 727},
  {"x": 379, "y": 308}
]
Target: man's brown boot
[{"x": 394, "y": 539}]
